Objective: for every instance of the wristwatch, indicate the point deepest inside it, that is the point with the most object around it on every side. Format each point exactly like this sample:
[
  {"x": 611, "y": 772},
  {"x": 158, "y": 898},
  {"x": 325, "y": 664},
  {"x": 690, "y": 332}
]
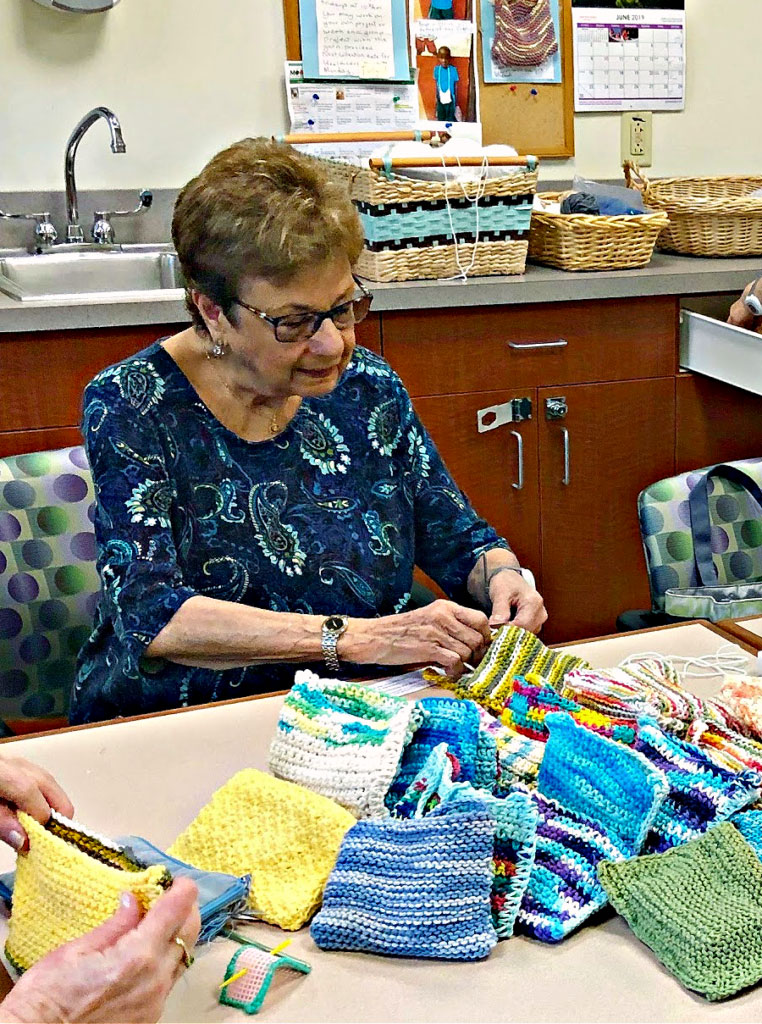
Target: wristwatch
[
  {"x": 751, "y": 301},
  {"x": 333, "y": 627},
  {"x": 526, "y": 574}
]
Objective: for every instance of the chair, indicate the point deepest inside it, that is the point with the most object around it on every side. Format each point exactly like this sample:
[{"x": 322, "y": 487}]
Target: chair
[
  {"x": 49, "y": 585},
  {"x": 665, "y": 528}
]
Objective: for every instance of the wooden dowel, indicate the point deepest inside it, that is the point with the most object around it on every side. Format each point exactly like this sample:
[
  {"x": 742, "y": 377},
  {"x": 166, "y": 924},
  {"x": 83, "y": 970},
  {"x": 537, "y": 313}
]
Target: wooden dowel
[
  {"x": 451, "y": 161},
  {"x": 299, "y": 138}
]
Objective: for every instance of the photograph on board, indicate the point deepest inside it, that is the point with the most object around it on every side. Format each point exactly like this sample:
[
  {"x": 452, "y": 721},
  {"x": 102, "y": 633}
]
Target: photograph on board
[
  {"x": 442, "y": 10},
  {"x": 521, "y": 45},
  {"x": 446, "y": 90}
]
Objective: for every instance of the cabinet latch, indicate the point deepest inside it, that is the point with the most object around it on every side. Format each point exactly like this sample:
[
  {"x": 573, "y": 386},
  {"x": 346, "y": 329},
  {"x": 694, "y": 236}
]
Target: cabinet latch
[
  {"x": 555, "y": 408},
  {"x": 494, "y": 416}
]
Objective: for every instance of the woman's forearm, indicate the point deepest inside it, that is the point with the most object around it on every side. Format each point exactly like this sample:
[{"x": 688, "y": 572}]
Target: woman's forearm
[{"x": 207, "y": 633}]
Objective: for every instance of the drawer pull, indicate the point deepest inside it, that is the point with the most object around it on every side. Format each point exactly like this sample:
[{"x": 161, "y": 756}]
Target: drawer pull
[
  {"x": 567, "y": 476},
  {"x": 561, "y": 343},
  {"x": 520, "y": 443}
]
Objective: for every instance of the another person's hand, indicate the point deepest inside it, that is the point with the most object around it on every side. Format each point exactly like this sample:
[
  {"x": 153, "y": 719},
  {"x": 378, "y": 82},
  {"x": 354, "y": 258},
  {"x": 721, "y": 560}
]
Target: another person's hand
[
  {"x": 442, "y": 633},
  {"x": 122, "y": 971},
  {"x": 515, "y": 601},
  {"x": 740, "y": 315},
  {"x": 27, "y": 787}
]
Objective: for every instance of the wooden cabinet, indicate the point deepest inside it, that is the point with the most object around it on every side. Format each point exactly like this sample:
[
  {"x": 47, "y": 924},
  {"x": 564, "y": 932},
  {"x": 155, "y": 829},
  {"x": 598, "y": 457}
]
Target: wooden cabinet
[{"x": 715, "y": 422}]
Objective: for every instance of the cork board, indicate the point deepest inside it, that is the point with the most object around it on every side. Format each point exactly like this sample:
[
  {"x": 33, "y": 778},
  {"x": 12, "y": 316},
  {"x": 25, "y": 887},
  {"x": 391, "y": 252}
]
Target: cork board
[{"x": 542, "y": 124}]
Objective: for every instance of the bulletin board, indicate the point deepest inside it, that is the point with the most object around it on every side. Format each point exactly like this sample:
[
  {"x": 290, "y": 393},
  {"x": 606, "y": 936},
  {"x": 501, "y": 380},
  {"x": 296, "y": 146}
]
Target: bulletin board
[{"x": 536, "y": 119}]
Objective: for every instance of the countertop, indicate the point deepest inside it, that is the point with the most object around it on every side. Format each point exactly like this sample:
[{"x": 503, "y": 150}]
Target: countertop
[{"x": 665, "y": 275}]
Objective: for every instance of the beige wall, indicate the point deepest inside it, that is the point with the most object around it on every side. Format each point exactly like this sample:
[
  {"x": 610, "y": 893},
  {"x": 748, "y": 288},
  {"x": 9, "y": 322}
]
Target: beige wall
[{"x": 188, "y": 76}]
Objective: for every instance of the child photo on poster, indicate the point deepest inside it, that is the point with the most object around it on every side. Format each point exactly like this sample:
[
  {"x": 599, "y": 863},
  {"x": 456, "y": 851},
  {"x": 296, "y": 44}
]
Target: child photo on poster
[
  {"x": 442, "y": 10},
  {"x": 445, "y": 75}
]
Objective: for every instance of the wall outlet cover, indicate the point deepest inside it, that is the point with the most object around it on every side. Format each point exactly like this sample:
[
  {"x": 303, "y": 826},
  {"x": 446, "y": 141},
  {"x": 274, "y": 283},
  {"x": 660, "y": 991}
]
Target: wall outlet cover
[{"x": 636, "y": 137}]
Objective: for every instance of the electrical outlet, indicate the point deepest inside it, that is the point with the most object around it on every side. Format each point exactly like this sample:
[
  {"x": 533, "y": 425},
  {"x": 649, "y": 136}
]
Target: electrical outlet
[{"x": 636, "y": 137}]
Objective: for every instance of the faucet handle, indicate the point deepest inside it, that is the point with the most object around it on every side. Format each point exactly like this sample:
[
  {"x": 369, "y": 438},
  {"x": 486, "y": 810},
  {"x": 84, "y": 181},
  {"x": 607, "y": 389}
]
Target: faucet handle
[
  {"x": 44, "y": 231},
  {"x": 103, "y": 230}
]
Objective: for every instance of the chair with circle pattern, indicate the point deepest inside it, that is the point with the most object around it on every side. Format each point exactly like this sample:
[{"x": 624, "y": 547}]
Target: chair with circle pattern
[
  {"x": 665, "y": 527},
  {"x": 49, "y": 585}
]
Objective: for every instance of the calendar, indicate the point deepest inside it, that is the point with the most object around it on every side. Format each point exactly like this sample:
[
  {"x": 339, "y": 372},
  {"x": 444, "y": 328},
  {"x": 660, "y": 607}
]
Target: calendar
[{"x": 631, "y": 58}]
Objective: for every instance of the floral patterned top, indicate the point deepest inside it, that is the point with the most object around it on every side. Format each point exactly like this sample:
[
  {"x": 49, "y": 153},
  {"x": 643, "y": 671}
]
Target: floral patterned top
[{"x": 329, "y": 516}]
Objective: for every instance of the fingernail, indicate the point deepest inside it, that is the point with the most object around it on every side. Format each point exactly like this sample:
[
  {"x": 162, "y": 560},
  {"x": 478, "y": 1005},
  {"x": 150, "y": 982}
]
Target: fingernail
[
  {"x": 125, "y": 900},
  {"x": 16, "y": 839}
]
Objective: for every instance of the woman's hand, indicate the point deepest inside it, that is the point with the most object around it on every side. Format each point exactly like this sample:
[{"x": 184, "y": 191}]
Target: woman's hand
[
  {"x": 121, "y": 971},
  {"x": 740, "y": 315},
  {"x": 509, "y": 590},
  {"x": 443, "y": 633},
  {"x": 27, "y": 787}
]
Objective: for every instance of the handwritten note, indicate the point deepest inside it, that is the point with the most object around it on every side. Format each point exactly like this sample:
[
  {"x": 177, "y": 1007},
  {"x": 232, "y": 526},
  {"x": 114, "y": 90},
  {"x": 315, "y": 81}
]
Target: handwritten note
[{"x": 355, "y": 38}]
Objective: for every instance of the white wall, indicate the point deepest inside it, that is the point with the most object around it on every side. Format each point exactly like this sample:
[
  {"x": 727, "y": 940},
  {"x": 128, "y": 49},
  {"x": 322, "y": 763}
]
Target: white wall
[{"x": 186, "y": 77}]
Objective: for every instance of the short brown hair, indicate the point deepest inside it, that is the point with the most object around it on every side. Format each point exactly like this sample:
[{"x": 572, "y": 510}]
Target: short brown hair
[{"x": 259, "y": 209}]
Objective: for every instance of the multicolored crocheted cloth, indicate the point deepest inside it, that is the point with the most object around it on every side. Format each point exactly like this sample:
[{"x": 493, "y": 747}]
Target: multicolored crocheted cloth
[
  {"x": 749, "y": 824},
  {"x": 563, "y": 889},
  {"x": 601, "y": 780},
  {"x": 530, "y": 701},
  {"x": 68, "y": 883},
  {"x": 513, "y": 652},
  {"x": 342, "y": 740},
  {"x": 701, "y": 793},
  {"x": 434, "y": 782},
  {"x": 525, "y": 35},
  {"x": 699, "y": 908},
  {"x": 518, "y": 757},
  {"x": 742, "y": 695},
  {"x": 417, "y": 888},
  {"x": 442, "y": 720},
  {"x": 726, "y": 745},
  {"x": 286, "y": 837}
]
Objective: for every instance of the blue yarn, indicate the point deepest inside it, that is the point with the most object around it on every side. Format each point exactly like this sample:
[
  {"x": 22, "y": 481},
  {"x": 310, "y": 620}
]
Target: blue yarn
[{"x": 749, "y": 824}]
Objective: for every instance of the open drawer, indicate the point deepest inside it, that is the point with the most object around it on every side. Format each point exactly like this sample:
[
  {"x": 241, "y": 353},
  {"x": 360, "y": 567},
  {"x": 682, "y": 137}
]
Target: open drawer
[{"x": 719, "y": 350}]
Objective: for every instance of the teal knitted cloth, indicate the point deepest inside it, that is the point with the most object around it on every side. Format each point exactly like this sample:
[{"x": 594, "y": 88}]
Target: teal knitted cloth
[{"x": 698, "y": 907}]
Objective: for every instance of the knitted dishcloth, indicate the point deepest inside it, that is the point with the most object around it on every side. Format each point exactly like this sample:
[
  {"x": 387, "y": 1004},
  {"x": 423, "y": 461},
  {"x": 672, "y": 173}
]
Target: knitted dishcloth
[
  {"x": 602, "y": 781},
  {"x": 417, "y": 887},
  {"x": 518, "y": 757},
  {"x": 525, "y": 35},
  {"x": 342, "y": 740},
  {"x": 530, "y": 701},
  {"x": 284, "y": 836},
  {"x": 726, "y": 746},
  {"x": 563, "y": 889},
  {"x": 701, "y": 792},
  {"x": 68, "y": 883},
  {"x": 699, "y": 908},
  {"x": 749, "y": 824},
  {"x": 742, "y": 695},
  {"x": 442, "y": 720},
  {"x": 513, "y": 652}
]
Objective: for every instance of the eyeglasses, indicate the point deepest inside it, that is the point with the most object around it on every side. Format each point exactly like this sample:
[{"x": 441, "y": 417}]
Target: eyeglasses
[{"x": 302, "y": 326}]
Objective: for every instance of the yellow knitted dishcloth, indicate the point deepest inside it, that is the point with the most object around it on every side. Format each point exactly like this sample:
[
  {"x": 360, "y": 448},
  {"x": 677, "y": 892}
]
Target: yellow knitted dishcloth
[
  {"x": 286, "y": 837},
  {"x": 67, "y": 884}
]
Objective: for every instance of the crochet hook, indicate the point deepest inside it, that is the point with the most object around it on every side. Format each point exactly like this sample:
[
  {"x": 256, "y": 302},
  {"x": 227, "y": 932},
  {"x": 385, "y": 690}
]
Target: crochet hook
[{"x": 237, "y": 937}]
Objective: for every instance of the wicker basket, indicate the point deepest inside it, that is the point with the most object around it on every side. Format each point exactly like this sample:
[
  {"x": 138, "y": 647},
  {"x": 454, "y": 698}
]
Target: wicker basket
[
  {"x": 579, "y": 241},
  {"x": 707, "y": 216},
  {"x": 427, "y": 229}
]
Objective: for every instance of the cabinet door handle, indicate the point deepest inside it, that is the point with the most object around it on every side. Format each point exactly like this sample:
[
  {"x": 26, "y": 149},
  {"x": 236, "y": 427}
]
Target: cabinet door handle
[
  {"x": 567, "y": 476},
  {"x": 520, "y": 443},
  {"x": 560, "y": 343}
]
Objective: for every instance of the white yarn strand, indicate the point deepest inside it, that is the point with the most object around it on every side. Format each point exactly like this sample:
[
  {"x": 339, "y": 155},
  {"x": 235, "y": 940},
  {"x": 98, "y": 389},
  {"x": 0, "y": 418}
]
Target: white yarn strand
[
  {"x": 727, "y": 660},
  {"x": 480, "y": 190}
]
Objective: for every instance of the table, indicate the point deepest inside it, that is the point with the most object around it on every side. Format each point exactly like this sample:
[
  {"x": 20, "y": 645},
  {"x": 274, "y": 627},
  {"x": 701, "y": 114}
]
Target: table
[
  {"x": 748, "y": 630},
  {"x": 151, "y": 775}
]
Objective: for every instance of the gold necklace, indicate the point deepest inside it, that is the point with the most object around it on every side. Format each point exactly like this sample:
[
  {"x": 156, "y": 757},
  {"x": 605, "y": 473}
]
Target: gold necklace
[{"x": 274, "y": 427}]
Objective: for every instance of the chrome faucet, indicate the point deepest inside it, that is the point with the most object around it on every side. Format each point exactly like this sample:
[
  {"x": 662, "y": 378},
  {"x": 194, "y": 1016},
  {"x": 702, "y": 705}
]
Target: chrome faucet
[{"x": 74, "y": 232}]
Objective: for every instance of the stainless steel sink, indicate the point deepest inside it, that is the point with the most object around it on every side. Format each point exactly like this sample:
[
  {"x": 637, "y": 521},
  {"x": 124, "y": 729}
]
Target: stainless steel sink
[{"x": 84, "y": 272}]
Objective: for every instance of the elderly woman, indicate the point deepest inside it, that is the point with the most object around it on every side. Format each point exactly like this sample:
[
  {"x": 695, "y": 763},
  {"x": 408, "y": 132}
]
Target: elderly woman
[{"x": 264, "y": 487}]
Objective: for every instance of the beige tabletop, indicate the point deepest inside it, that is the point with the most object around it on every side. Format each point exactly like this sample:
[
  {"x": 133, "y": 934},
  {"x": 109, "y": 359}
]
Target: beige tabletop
[
  {"x": 151, "y": 776},
  {"x": 748, "y": 629}
]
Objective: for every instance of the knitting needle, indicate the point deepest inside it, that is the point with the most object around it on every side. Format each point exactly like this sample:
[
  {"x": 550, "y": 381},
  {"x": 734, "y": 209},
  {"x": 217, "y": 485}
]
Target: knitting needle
[
  {"x": 281, "y": 946},
  {"x": 234, "y": 977},
  {"x": 237, "y": 937}
]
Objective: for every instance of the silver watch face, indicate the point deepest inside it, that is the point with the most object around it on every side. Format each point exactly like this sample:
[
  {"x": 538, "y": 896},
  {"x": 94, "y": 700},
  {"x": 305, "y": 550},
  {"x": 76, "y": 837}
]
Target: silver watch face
[{"x": 753, "y": 304}]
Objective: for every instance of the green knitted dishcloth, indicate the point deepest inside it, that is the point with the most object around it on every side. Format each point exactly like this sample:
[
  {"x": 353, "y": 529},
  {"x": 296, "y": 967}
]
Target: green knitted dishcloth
[{"x": 698, "y": 907}]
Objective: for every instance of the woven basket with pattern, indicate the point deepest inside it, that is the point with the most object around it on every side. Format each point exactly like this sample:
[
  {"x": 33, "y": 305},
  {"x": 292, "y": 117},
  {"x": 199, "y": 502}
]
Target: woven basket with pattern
[
  {"x": 579, "y": 241},
  {"x": 707, "y": 216}
]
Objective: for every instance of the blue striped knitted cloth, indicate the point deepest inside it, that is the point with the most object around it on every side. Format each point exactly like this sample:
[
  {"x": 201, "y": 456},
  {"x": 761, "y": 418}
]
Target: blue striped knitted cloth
[
  {"x": 749, "y": 824},
  {"x": 593, "y": 776},
  {"x": 701, "y": 793},
  {"x": 417, "y": 888},
  {"x": 443, "y": 720}
]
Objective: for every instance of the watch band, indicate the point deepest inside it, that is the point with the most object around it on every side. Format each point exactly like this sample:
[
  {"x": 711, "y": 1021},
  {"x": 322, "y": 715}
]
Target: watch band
[
  {"x": 751, "y": 301},
  {"x": 333, "y": 627}
]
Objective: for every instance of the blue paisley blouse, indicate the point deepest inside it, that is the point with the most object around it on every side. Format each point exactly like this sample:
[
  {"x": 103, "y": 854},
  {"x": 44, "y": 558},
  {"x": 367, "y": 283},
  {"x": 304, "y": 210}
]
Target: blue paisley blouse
[{"x": 330, "y": 516}]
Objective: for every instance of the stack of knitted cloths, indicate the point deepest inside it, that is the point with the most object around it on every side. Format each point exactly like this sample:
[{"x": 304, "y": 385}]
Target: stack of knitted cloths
[
  {"x": 513, "y": 652},
  {"x": 343, "y": 740},
  {"x": 699, "y": 908},
  {"x": 286, "y": 837},
  {"x": 596, "y": 800},
  {"x": 529, "y": 701},
  {"x": 417, "y": 887},
  {"x": 701, "y": 792},
  {"x": 455, "y": 723},
  {"x": 525, "y": 35},
  {"x": 68, "y": 883},
  {"x": 518, "y": 757}
]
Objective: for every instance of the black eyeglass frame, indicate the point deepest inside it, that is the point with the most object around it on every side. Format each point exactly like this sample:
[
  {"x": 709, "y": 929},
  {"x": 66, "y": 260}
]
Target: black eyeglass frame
[{"x": 318, "y": 319}]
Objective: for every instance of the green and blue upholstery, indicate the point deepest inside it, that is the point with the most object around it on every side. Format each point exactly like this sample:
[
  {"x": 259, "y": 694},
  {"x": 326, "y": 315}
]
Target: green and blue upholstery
[
  {"x": 665, "y": 526},
  {"x": 49, "y": 585}
]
